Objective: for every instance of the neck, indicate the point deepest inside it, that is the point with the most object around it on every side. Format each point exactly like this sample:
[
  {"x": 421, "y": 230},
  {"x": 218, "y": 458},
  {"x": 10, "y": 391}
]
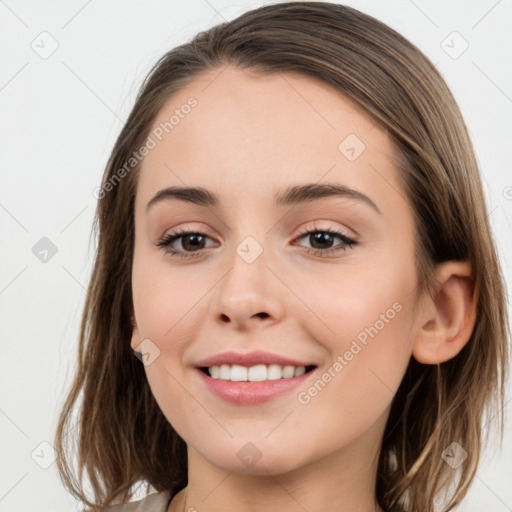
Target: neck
[{"x": 342, "y": 481}]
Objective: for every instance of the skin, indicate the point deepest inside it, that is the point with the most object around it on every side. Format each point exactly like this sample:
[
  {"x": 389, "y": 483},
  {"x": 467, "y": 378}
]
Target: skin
[{"x": 248, "y": 138}]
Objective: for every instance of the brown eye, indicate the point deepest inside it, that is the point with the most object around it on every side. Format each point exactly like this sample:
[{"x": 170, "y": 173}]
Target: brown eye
[
  {"x": 323, "y": 241},
  {"x": 190, "y": 241}
]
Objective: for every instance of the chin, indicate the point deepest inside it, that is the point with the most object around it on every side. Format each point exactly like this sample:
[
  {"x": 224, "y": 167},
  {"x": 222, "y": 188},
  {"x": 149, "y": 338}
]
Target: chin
[{"x": 254, "y": 459}]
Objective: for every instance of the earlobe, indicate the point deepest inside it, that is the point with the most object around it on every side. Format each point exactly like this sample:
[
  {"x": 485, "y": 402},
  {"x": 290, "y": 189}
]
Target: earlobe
[
  {"x": 449, "y": 318},
  {"x": 135, "y": 341}
]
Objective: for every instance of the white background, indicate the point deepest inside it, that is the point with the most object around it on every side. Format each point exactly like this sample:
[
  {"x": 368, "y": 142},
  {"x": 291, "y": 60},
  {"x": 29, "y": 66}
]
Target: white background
[{"x": 59, "y": 120}]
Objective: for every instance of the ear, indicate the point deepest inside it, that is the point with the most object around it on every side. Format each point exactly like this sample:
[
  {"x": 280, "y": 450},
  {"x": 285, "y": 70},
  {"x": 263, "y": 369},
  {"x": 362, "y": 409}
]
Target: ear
[
  {"x": 448, "y": 319},
  {"x": 135, "y": 342}
]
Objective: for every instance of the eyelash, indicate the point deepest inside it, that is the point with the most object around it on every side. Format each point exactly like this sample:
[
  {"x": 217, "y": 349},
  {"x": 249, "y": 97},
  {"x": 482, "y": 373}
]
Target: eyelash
[{"x": 168, "y": 239}]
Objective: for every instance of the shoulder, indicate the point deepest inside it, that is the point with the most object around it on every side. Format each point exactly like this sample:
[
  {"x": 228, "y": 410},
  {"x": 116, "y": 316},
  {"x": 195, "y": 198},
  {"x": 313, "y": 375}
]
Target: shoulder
[{"x": 156, "y": 502}]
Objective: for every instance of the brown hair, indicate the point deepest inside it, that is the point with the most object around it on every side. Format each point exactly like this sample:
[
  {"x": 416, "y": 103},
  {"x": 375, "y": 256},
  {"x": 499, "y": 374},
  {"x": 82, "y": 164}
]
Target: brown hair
[{"x": 124, "y": 438}]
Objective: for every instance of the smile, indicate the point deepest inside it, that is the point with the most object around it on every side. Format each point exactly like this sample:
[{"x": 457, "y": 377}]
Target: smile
[
  {"x": 256, "y": 373},
  {"x": 241, "y": 385}
]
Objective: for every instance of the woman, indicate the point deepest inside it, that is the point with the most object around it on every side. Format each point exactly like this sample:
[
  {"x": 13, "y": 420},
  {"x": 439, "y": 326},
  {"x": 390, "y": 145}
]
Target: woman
[{"x": 293, "y": 241}]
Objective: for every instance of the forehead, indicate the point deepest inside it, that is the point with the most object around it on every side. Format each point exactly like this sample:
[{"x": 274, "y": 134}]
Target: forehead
[{"x": 249, "y": 133}]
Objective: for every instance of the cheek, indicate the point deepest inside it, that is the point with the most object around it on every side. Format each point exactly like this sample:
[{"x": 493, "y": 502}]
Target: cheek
[
  {"x": 165, "y": 299},
  {"x": 369, "y": 354},
  {"x": 165, "y": 310},
  {"x": 363, "y": 319},
  {"x": 169, "y": 313}
]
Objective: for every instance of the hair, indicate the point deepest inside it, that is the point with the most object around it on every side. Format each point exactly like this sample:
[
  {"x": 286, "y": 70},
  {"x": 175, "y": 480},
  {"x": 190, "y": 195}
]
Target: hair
[{"x": 123, "y": 436}]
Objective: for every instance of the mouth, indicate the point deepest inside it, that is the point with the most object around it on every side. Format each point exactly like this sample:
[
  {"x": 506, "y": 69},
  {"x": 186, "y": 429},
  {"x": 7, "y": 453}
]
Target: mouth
[
  {"x": 256, "y": 373},
  {"x": 242, "y": 385}
]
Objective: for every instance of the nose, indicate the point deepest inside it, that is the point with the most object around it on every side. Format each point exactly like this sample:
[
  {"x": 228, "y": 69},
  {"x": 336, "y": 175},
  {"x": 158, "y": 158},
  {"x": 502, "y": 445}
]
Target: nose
[{"x": 249, "y": 296}]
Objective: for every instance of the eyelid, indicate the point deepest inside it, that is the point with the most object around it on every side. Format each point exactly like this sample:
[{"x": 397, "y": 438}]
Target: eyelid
[
  {"x": 187, "y": 227},
  {"x": 300, "y": 230},
  {"x": 326, "y": 225}
]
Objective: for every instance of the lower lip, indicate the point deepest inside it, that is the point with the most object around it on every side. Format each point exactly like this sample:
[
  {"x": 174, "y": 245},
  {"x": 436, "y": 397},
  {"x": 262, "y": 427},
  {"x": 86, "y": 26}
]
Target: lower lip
[{"x": 249, "y": 393}]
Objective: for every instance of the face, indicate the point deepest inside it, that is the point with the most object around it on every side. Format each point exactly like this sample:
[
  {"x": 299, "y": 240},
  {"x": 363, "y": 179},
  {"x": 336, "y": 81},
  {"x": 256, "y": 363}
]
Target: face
[{"x": 325, "y": 281}]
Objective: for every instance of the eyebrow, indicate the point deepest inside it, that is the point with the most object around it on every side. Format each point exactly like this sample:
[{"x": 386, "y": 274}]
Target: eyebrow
[{"x": 293, "y": 195}]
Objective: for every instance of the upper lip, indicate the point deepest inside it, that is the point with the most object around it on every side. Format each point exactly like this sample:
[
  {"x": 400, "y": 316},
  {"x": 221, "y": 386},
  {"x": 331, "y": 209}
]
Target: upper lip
[{"x": 250, "y": 359}]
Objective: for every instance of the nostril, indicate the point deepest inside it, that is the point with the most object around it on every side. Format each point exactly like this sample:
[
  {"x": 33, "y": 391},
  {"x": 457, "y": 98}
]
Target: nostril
[{"x": 225, "y": 318}]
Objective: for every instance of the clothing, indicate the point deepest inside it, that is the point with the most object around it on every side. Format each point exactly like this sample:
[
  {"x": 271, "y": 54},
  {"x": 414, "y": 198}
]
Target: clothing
[{"x": 156, "y": 502}]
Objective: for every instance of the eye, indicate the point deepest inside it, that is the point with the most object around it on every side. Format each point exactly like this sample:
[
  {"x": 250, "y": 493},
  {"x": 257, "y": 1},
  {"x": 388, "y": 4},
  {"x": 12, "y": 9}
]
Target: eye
[
  {"x": 320, "y": 238},
  {"x": 192, "y": 242}
]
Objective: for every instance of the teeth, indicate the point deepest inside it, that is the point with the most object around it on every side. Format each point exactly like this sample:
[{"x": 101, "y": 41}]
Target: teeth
[
  {"x": 257, "y": 373},
  {"x": 225, "y": 372},
  {"x": 274, "y": 372},
  {"x": 299, "y": 371},
  {"x": 238, "y": 373},
  {"x": 288, "y": 372}
]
